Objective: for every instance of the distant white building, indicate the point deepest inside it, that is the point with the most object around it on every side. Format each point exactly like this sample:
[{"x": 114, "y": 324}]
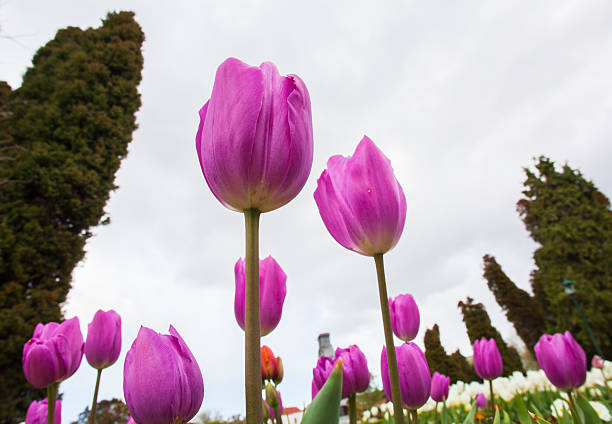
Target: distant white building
[{"x": 325, "y": 347}]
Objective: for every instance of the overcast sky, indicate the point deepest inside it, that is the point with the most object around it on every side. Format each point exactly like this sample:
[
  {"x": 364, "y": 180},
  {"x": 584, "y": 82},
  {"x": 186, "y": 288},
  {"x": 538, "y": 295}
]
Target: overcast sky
[{"x": 459, "y": 95}]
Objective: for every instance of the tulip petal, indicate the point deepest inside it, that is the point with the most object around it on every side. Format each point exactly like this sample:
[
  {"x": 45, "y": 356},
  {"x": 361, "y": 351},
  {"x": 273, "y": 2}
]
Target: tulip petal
[{"x": 272, "y": 292}]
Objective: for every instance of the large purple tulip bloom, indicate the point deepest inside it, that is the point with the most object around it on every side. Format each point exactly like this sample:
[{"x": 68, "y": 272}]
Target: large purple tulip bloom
[
  {"x": 405, "y": 318},
  {"x": 272, "y": 291},
  {"x": 414, "y": 377},
  {"x": 37, "y": 412},
  {"x": 355, "y": 373},
  {"x": 360, "y": 201},
  {"x": 162, "y": 382},
  {"x": 103, "y": 343},
  {"x": 562, "y": 359},
  {"x": 320, "y": 373},
  {"x": 487, "y": 359},
  {"x": 439, "y": 386},
  {"x": 53, "y": 353},
  {"x": 255, "y": 136}
]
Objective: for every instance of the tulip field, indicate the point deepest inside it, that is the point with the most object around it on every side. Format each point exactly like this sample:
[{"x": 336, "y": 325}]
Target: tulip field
[{"x": 255, "y": 148}]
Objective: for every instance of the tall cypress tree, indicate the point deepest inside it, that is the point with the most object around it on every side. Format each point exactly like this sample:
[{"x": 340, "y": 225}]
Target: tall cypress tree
[
  {"x": 454, "y": 366},
  {"x": 571, "y": 220},
  {"x": 478, "y": 324},
  {"x": 522, "y": 310},
  {"x": 68, "y": 127}
]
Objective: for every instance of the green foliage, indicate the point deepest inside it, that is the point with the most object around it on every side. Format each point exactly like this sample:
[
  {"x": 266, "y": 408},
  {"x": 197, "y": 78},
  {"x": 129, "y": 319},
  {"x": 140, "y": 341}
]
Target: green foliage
[
  {"x": 63, "y": 135},
  {"x": 454, "y": 366},
  {"x": 522, "y": 310},
  {"x": 572, "y": 221},
  {"x": 112, "y": 411},
  {"x": 325, "y": 407},
  {"x": 478, "y": 324}
]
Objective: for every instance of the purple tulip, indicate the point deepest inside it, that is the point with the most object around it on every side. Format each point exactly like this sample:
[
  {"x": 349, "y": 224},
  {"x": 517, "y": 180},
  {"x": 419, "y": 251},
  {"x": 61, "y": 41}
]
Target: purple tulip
[
  {"x": 361, "y": 203},
  {"x": 162, "y": 382},
  {"x": 439, "y": 386},
  {"x": 320, "y": 373},
  {"x": 481, "y": 401},
  {"x": 254, "y": 141},
  {"x": 414, "y": 377},
  {"x": 103, "y": 343},
  {"x": 53, "y": 353},
  {"x": 487, "y": 359},
  {"x": 37, "y": 412},
  {"x": 562, "y": 359},
  {"x": 355, "y": 373},
  {"x": 405, "y": 317},
  {"x": 597, "y": 362},
  {"x": 272, "y": 291},
  {"x": 131, "y": 421}
]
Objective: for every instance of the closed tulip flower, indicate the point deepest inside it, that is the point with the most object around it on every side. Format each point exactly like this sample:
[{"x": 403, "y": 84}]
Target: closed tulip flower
[
  {"x": 487, "y": 359},
  {"x": 255, "y": 136},
  {"x": 269, "y": 364},
  {"x": 321, "y": 372},
  {"x": 481, "y": 401},
  {"x": 272, "y": 291},
  {"x": 597, "y": 362},
  {"x": 53, "y": 353},
  {"x": 360, "y": 201},
  {"x": 415, "y": 380},
  {"x": 103, "y": 343},
  {"x": 162, "y": 382},
  {"x": 355, "y": 373},
  {"x": 562, "y": 359},
  {"x": 37, "y": 412},
  {"x": 439, "y": 386},
  {"x": 405, "y": 318}
]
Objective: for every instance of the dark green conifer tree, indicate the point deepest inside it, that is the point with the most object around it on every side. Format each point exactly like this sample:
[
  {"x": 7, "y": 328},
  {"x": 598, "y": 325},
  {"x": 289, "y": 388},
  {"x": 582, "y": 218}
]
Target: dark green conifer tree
[
  {"x": 454, "y": 366},
  {"x": 571, "y": 220},
  {"x": 522, "y": 310},
  {"x": 66, "y": 130},
  {"x": 478, "y": 325}
]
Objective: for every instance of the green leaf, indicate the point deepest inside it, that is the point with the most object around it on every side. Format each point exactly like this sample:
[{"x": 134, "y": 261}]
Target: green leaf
[
  {"x": 521, "y": 410},
  {"x": 325, "y": 407},
  {"x": 590, "y": 416},
  {"x": 470, "y": 418},
  {"x": 506, "y": 418},
  {"x": 496, "y": 419}
]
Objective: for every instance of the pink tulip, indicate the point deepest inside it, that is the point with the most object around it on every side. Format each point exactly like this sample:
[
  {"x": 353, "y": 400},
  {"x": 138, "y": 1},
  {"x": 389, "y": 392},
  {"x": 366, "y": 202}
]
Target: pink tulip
[
  {"x": 254, "y": 141},
  {"x": 405, "y": 318},
  {"x": 37, "y": 412},
  {"x": 103, "y": 343},
  {"x": 360, "y": 201}
]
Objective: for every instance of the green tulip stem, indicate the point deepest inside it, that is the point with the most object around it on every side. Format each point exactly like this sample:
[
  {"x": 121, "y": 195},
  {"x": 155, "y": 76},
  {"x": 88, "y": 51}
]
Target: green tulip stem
[
  {"x": 353, "y": 408},
  {"x": 252, "y": 360},
  {"x": 415, "y": 416},
  {"x": 436, "y": 414},
  {"x": 573, "y": 408},
  {"x": 396, "y": 394},
  {"x": 277, "y": 416},
  {"x": 51, "y": 396},
  {"x": 94, "y": 404},
  {"x": 444, "y": 410},
  {"x": 492, "y": 396}
]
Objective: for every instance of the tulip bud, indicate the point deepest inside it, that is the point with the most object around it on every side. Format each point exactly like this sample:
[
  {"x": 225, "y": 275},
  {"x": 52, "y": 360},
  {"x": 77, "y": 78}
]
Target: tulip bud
[
  {"x": 488, "y": 362},
  {"x": 360, "y": 201},
  {"x": 162, "y": 382},
  {"x": 562, "y": 359},
  {"x": 320, "y": 373},
  {"x": 37, "y": 412},
  {"x": 265, "y": 410},
  {"x": 405, "y": 317},
  {"x": 439, "y": 386},
  {"x": 597, "y": 362},
  {"x": 481, "y": 401},
  {"x": 280, "y": 371},
  {"x": 103, "y": 343},
  {"x": 269, "y": 364},
  {"x": 355, "y": 373},
  {"x": 254, "y": 141},
  {"x": 272, "y": 291},
  {"x": 414, "y": 376},
  {"x": 53, "y": 353},
  {"x": 271, "y": 395}
]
